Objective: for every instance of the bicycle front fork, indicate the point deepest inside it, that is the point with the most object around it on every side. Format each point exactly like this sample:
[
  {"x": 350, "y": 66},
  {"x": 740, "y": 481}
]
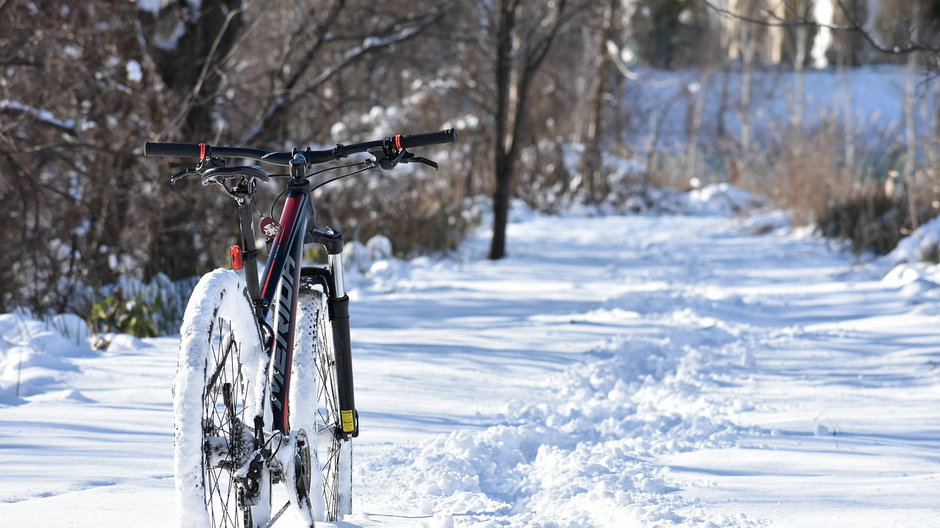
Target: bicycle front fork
[{"x": 339, "y": 319}]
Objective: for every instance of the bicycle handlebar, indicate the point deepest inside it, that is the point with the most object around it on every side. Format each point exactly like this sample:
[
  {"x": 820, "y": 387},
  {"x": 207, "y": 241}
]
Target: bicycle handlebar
[
  {"x": 175, "y": 150},
  {"x": 204, "y": 150}
]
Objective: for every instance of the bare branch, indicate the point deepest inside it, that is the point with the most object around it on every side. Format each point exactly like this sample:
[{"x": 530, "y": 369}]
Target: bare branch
[
  {"x": 854, "y": 26},
  {"x": 304, "y": 65},
  {"x": 43, "y": 116},
  {"x": 193, "y": 96},
  {"x": 279, "y": 104},
  {"x": 858, "y": 26}
]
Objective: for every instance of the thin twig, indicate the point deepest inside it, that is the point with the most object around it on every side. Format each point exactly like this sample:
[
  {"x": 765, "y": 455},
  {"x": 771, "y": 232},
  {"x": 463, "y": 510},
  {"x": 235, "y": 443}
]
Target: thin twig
[
  {"x": 855, "y": 26},
  {"x": 859, "y": 27},
  {"x": 203, "y": 75}
]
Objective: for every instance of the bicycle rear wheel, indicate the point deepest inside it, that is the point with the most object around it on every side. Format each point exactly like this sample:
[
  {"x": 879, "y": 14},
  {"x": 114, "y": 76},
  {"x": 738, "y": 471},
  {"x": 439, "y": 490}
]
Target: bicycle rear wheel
[
  {"x": 331, "y": 479},
  {"x": 221, "y": 481}
]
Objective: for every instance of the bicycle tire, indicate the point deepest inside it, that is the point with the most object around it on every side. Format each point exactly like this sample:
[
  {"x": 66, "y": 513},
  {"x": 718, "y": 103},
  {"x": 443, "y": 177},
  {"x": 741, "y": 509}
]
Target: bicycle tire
[
  {"x": 331, "y": 482},
  {"x": 217, "y": 394}
]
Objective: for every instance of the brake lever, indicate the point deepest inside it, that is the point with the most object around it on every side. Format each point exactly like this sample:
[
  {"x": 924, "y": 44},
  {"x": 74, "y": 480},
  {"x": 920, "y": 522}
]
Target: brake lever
[
  {"x": 181, "y": 174},
  {"x": 411, "y": 158},
  {"x": 204, "y": 165},
  {"x": 385, "y": 159}
]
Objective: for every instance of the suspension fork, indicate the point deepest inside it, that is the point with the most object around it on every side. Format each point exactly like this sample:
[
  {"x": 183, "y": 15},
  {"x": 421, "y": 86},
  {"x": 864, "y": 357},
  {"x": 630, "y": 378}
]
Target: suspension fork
[
  {"x": 339, "y": 318},
  {"x": 338, "y": 304},
  {"x": 331, "y": 278}
]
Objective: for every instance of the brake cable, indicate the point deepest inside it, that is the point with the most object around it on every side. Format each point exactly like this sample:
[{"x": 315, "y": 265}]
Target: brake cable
[
  {"x": 369, "y": 164},
  {"x": 386, "y": 163},
  {"x": 312, "y": 174}
]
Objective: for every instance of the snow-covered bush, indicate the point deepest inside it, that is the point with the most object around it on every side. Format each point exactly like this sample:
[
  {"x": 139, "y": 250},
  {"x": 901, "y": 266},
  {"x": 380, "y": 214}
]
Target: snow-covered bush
[
  {"x": 923, "y": 245},
  {"x": 870, "y": 220},
  {"x": 34, "y": 353},
  {"x": 141, "y": 309}
]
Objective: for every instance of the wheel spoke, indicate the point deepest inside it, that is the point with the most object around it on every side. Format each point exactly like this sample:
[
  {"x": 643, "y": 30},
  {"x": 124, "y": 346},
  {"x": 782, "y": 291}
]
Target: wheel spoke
[
  {"x": 216, "y": 446},
  {"x": 332, "y": 452}
]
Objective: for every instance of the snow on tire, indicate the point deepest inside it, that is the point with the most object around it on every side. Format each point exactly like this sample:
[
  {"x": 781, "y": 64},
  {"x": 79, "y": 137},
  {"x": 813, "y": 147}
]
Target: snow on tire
[{"x": 219, "y": 354}]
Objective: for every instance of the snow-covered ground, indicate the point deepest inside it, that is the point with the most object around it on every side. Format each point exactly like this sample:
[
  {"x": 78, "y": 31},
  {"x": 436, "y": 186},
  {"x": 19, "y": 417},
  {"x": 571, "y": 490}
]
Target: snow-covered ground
[{"x": 613, "y": 371}]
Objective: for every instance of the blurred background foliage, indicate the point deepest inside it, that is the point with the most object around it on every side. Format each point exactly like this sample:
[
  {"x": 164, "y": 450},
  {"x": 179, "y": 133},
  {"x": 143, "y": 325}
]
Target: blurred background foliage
[{"x": 543, "y": 93}]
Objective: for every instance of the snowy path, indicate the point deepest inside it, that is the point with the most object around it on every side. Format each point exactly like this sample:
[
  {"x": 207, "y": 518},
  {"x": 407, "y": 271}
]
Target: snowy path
[{"x": 619, "y": 371}]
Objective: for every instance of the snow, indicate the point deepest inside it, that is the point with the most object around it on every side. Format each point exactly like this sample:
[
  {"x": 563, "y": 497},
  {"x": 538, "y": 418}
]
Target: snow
[
  {"x": 697, "y": 370},
  {"x": 722, "y": 199},
  {"x": 38, "y": 113},
  {"x": 154, "y": 6},
  {"x": 134, "y": 72},
  {"x": 823, "y": 12},
  {"x": 34, "y": 354},
  {"x": 868, "y": 101},
  {"x": 922, "y": 244}
]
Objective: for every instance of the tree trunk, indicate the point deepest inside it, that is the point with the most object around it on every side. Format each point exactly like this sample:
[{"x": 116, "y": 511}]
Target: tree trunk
[
  {"x": 747, "y": 77},
  {"x": 910, "y": 126},
  {"x": 502, "y": 166},
  {"x": 500, "y": 207},
  {"x": 510, "y": 118},
  {"x": 192, "y": 66},
  {"x": 591, "y": 164}
]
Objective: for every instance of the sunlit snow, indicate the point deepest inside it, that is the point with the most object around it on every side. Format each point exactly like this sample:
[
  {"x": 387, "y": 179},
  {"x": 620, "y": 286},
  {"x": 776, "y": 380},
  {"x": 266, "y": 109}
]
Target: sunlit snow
[{"x": 697, "y": 369}]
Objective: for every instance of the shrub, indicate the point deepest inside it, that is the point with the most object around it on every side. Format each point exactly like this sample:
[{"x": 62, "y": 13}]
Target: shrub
[
  {"x": 871, "y": 220},
  {"x": 123, "y": 315},
  {"x": 140, "y": 309}
]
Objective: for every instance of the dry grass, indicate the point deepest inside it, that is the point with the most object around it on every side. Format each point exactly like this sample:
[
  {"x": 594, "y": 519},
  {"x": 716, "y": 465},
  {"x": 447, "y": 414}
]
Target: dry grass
[{"x": 848, "y": 192}]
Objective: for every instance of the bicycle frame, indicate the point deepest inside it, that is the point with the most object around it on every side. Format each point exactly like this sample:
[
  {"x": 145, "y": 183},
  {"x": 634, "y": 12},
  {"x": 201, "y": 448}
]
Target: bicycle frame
[
  {"x": 279, "y": 288},
  {"x": 275, "y": 297},
  {"x": 281, "y": 280}
]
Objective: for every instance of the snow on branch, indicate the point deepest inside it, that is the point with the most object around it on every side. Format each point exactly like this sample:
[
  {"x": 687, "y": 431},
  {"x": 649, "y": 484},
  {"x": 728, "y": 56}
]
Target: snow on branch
[
  {"x": 154, "y": 6},
  {"x": 44, "y": 116},
  {"x": 283, "y": 101},
  {"x": 368, "y": 45}
]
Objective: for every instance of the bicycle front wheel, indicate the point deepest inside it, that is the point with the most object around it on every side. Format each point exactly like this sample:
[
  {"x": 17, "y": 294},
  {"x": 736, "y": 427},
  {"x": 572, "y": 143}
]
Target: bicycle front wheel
[
  {"x": 319, "y": 413},
  {"x": 221, "y": 481}
]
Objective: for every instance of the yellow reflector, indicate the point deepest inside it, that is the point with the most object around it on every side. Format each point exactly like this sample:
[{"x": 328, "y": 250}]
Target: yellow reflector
[{"x": 349, "y": 424}]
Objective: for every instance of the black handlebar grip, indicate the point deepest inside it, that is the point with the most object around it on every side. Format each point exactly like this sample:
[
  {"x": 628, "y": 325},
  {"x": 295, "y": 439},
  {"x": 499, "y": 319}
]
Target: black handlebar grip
[
  {"x": 427, "y": 138},
  {"x": 175, "y": 150}
]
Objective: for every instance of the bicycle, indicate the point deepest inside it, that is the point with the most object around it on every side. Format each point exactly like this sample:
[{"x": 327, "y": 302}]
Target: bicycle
[{"x": 265, "y": 363}]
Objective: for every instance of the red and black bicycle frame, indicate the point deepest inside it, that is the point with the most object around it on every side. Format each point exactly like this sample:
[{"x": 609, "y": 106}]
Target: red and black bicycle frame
[
  {"x": 278, "y": 292},
  {"x": 281, "y": 280}
]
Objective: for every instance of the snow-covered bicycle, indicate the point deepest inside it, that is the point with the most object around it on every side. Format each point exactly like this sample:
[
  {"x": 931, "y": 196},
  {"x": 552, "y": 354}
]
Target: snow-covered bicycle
[{"x": 264, "y": 387}]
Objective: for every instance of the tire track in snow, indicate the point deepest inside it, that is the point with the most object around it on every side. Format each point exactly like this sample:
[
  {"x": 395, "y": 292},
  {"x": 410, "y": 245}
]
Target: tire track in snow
[{"x": 586, "y": 457}]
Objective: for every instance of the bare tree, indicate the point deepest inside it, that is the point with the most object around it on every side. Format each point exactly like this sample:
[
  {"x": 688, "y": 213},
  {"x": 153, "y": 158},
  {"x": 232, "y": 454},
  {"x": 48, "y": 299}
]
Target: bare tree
[
  {"x": 524, "y": 33},
  {"x": 769, "y": 14},
  {"x": 86, "y": 83},
  {"x": 71, "y": 116},
  {"x": 591, "y": 165}
]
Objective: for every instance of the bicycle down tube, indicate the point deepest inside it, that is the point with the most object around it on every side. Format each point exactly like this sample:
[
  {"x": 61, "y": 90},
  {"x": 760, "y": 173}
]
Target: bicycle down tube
[{"x": 284, "y": 268}]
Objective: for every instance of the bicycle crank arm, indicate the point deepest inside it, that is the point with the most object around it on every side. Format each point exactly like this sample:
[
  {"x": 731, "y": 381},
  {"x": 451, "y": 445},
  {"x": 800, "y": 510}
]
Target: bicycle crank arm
[{"x": 277, "y": 515}]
